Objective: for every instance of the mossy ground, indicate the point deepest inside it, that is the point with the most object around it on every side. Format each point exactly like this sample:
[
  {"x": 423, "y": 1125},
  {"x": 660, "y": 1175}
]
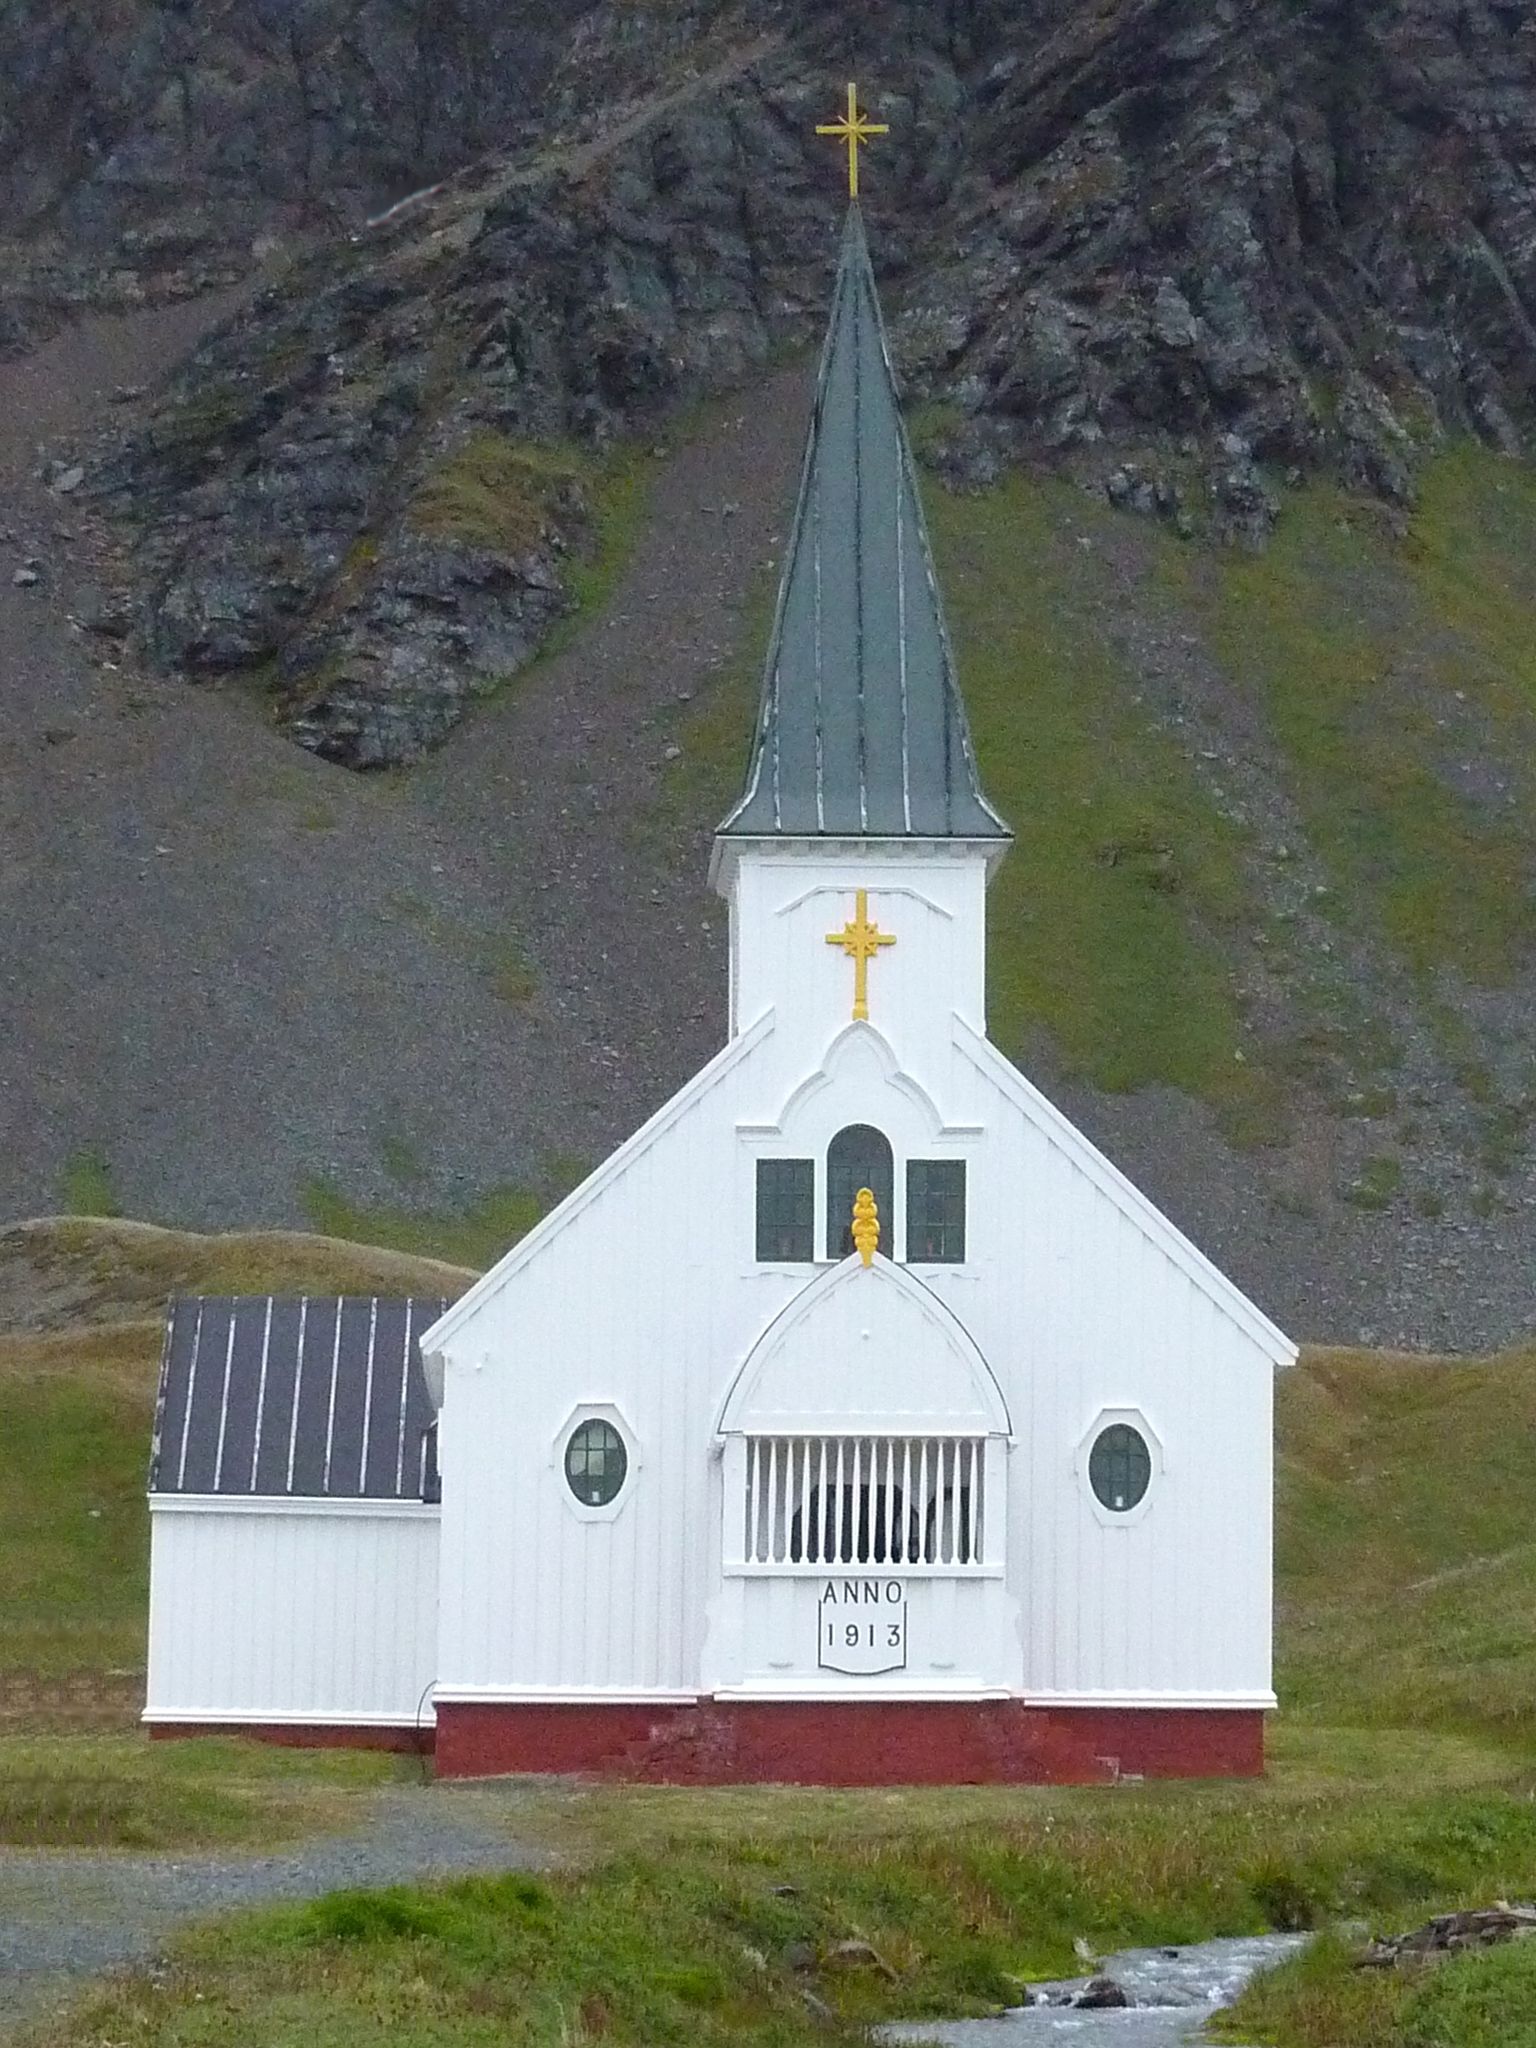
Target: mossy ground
[
  {"x": 1381, "y": 664},
  {"x": 510, "y": 496},
  {"x": 475, "y": 1235},
  {"x": 119, "y": 1791},
  {"x": 497, "y": 493},
  {"x": 1108, "y": 925},
  {"x": 85, "y": 1186}
]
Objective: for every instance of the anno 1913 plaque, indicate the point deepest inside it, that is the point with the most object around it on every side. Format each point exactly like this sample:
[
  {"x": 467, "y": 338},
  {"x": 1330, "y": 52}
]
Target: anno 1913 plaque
[{"x": 862, "y": 1626}]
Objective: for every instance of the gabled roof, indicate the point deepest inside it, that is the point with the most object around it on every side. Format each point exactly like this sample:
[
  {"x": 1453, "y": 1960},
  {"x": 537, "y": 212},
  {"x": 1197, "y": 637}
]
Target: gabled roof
[
  {"x": 862, "y": 732},
  {"x": 306, "y": 1396},
  {"x": 1223, "y": 1293},
  {"x": 613, "y": 1168}
]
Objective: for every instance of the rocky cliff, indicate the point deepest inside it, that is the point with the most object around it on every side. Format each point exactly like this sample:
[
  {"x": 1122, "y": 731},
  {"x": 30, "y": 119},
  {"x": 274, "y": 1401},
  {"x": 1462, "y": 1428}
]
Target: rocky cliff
[{"x": 1192, "y": 253}]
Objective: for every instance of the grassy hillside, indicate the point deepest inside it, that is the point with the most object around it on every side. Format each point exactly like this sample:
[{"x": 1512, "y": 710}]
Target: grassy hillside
[{"x": 1406, "y": 1553}]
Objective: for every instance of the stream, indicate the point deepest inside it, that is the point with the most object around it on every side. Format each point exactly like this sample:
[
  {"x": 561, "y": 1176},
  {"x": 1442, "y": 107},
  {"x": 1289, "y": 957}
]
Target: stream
[{"x": 1175, "y": 1991}]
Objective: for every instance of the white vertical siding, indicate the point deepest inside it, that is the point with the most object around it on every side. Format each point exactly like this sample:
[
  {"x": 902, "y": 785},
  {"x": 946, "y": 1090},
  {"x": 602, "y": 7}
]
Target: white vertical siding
[
  {"x": 644, "y": 1296},
  {"x": 272, "y": 1612}
]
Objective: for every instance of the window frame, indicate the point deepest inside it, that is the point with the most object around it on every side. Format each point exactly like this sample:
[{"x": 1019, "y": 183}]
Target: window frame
[
  {"x": 596, "y": 1411},
  {"x": 917, "y": 1164},
  {"x": 765, "y": 1166},
  {"x": 1130, "y": 1418},
  {"x": 890, "y": 1233}
]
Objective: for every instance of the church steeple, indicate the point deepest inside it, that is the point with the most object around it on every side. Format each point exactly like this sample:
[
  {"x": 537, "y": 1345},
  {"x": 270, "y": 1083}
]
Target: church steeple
[{"x": 862, "y": 733}]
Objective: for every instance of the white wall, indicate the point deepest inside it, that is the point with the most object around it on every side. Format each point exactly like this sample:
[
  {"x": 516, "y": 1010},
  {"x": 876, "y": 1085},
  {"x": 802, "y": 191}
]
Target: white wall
[
  {"x": 292, "y": 1611},
  {"x": 642, "y": 1295}
]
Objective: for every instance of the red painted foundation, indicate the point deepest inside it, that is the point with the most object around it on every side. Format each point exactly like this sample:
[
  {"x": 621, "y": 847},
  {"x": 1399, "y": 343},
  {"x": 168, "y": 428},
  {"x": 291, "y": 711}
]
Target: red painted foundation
[
  {"x": 725, "y": 1742},
  {"x": 310, "y": 1735}
]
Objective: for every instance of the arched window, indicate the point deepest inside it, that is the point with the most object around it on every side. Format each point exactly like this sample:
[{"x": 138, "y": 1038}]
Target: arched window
[{"x": 859, "y": 1157}]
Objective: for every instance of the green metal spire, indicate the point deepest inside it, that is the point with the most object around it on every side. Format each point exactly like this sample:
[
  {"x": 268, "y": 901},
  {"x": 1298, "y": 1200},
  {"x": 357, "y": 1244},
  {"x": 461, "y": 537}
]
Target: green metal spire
[{"x": 862, "y": 733}]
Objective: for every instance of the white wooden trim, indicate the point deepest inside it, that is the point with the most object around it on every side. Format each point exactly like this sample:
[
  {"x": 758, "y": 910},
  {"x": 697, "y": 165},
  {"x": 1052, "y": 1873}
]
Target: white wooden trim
[
  {"x": 882, "y": 888},
  {"x": 293, "y": 1504},
  {"x": 783, "y": 847},
  {"x": 826, "y": 1696},
  {"x": 561, "y": 1695},
  {"x": 284, "y": 1717},
  {"x": 992, "y": 1417},
  {"x": 965, "y": 1573},
  {"x": 1128, "y": 1198},
  {"x": 616, "y": 1164},
  {"x": 1216, "y": 1701},
  {"x": 756, "y": 1131},
  {"x": 1157, "y": 1464}
]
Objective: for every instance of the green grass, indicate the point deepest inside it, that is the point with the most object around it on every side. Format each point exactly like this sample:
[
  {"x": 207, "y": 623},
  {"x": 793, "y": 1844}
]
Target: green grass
[
  {"x": 706, "y": 1918},
  {"x": 1357, "y": 645},
  {"x": 1320, "y": 2000},
  {"x": 1406, "y": 1581},
  {"x": 508, "y": 495},
  {"x": 73, "y": 1455},
  {"x": 496, "y": 493},
  {"x": 476, "y": 1235},
  {"x": 85, "y": 1187},
  {"x": 1110, "y": 924},
  {"x": 119, "y": 1791}
]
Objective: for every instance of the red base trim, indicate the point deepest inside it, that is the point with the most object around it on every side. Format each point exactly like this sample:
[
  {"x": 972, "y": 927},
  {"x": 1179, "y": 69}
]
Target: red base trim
[
  {"x": 306, "y": 1735},
  {"x": 725, "y": 1742}
]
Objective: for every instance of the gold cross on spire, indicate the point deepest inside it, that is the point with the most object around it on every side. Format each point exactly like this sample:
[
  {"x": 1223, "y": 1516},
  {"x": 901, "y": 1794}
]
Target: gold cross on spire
[
  {"x": 862, "y": 942},
  {"x": 855, "y": 128}
]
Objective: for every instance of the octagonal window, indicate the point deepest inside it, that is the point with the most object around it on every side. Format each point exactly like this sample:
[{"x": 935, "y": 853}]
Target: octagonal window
[
  {"x": 596, "y": 1463},
  {"x": 1120, "y": 1468}
]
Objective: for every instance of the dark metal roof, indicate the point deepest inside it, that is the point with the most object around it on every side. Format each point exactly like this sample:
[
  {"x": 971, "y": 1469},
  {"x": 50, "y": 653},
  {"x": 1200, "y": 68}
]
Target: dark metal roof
[
  {"x": 305, "y": 1395},
  {"x": 862, "y": 732}
]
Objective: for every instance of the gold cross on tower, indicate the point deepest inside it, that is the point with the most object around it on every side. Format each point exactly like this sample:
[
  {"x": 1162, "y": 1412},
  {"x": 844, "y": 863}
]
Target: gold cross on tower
[
  {"x": 855, "y": 128},
  {"x": 861, "y": 941}
]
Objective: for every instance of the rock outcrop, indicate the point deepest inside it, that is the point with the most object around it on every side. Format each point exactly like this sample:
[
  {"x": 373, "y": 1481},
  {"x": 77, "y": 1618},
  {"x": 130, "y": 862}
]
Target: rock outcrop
[{"x": 1184, "y": 249}]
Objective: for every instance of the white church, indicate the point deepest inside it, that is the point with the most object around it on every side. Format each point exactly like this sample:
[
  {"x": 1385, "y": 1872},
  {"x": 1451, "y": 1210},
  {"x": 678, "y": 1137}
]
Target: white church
[{"x": 856, "y": 1422}]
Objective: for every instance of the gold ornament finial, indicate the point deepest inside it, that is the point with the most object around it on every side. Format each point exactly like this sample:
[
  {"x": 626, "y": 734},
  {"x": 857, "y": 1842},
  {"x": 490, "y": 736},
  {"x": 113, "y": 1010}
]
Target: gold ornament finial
[
  {"x": 866, "y": 1225},
  {"x": 854, "y": 129},
  {"x": 862, "y": 942}
]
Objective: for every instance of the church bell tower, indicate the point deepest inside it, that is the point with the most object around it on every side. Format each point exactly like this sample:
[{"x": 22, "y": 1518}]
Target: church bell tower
[{"x": 862, "y": 835}]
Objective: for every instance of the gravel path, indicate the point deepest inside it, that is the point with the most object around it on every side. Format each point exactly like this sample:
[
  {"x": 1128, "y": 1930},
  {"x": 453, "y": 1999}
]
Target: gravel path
[{"x": 71, "y": 1914}]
